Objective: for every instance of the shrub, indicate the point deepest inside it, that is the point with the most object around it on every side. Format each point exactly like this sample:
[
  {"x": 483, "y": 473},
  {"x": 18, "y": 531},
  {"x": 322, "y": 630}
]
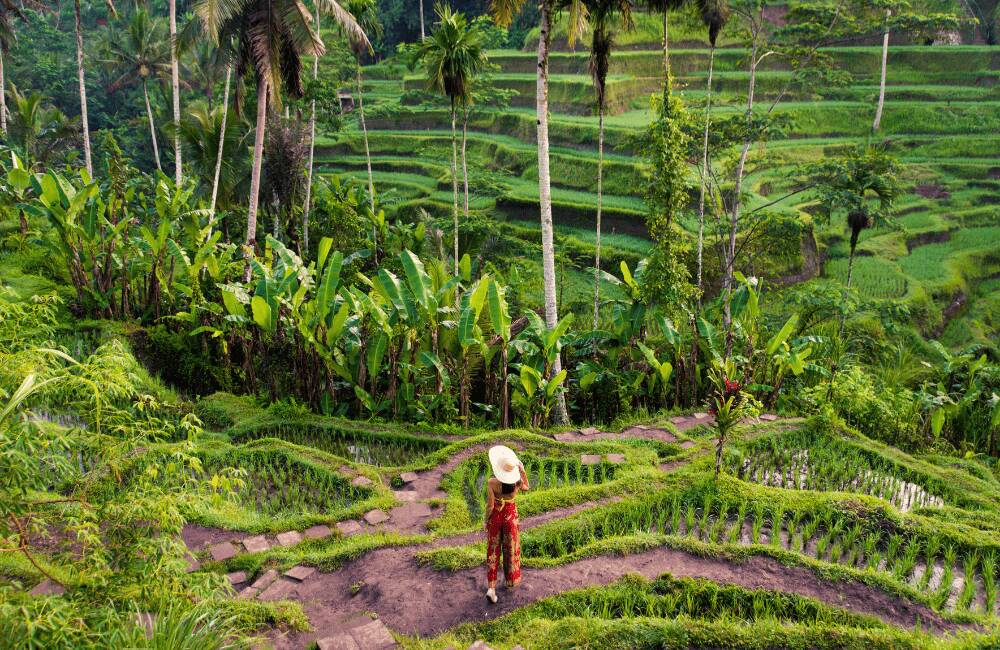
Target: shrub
[{"x": 880, "y": 412}]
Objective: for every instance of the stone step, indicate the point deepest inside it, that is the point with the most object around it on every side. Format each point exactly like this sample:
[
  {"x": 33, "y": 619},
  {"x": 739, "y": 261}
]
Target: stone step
[
  {"x": 376, "y": 517},
  {"x": 256, "y": 544}
]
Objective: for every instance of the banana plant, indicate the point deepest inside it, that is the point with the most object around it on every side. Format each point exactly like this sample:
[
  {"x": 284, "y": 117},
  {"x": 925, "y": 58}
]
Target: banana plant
[
  {"x": 535, "y": 394},
  {"x": 661, "y": 371},
  {"x": 500, "y": 321}
]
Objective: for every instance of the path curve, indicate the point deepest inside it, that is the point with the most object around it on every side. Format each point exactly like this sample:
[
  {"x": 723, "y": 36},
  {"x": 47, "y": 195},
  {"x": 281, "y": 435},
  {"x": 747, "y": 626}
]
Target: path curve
[{"x": 418, "y": 600}]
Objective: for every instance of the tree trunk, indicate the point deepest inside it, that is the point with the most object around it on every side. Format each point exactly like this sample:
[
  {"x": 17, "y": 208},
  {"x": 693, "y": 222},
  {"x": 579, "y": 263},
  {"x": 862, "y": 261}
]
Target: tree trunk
[
  {"x": 368, "y": 155},
  {"x": 704, "y": 172},
  {"x": 666, "y": 45},
  {"x": 544, "y": 185},
  {"x": 850, "y": 273},
  {"x": 730, "y": 261},
  {"x": 422, "y": 34},
  {"x": 312, "y": 149},
  {"x": 597, "y": 241},
  {"x": 454, "y": 184},
  {"x": 885, "y": 61},
  {"x": 175, "y": 86},
  {"x": 222, "y": 139},
  {"x": 3, "y": 99},
  {"x": 84, "y": 124},
  {"x": 152, "y": 127},
  {"x": 258, "y": 156},
  {"x": 465, "y": 166}
]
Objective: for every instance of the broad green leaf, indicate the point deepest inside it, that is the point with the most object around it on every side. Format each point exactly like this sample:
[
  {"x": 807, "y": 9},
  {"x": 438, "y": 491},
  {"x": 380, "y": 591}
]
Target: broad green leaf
[
  {"x": 465, "y": 268},
  {"x": 261, "y": 313},
  {"x": 416, "y": 277},
  {"x": 499, "y": 316},
  {"x": 232, "y": 303},
  {"x": 783, "y": 334},
  {"x": 324, "y": 249}
]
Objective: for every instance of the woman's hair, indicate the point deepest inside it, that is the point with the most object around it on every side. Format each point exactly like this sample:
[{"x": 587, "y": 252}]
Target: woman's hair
[{"x": 507, "y": 488}]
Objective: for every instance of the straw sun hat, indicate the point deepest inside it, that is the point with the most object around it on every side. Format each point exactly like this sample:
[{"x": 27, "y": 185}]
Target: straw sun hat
[{"x": 505, "y": 465}]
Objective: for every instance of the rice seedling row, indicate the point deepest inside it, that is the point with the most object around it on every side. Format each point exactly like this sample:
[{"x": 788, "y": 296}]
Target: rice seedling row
[
  {"x": 800, "y": 461},
  {"x": 954, "y": 578}
]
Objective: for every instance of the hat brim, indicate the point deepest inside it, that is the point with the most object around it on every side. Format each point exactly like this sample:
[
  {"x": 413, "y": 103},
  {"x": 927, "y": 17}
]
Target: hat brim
[{"x": 500, "y": 456}]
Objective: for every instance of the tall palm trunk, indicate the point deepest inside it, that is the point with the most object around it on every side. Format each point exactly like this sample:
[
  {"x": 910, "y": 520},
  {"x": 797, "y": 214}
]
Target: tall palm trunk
[
  {"x": 465, "y": 166},
  {"x": 222, "y": 139},
  {"x": 312, "y": 151},
  {"x": 545, "y": 185},
  {"x": 454, "y": 182},
  {"x": 258, "y": 157},
  {"x": 3, "y": 98},
  {"x": 885, "y": 61},
  {"x": 364, "y": 134},
  {"x": 734, "y": 219},
  {"x": 368, "y": 159},
  {"x": 704, "y": 171},
  {"x": 84, "y": 123},
  {"x": 176, "y": 89},
  {"x": 422, "y": 35},
  {"x": 152, "y": 126},
  {"x": 600, "y": 196}
]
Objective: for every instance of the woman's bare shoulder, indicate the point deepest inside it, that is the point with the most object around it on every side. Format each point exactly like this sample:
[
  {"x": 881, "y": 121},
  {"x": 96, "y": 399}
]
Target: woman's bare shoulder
[{"x": 493, "y": 482}]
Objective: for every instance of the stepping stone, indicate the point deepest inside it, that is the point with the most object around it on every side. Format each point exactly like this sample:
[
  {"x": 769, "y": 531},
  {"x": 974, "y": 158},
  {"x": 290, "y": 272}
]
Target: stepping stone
[
  {"x": 565, "y": 437},
  {"x": 406, "y": 495},
  {"x": 361, "y": 481},
  {"x": 256, "y": 544},
  {"x": 687, "y": 444},
  {"x": 616, "y": 459},
  {"x": 237, "y": 577},
  {"x": 291, "y": 538},
  {"x": 590, "y": 459},
  {"x": 408, "y": 477},
  {"x": 279, "y": 590},
  {"x": 679, "y": 419},
  {"x": 348, "y": 528},
  {"x": 338, "y": 642},
  {"x": 248, "y": 593},
  {"x": 374, "y": 636},
  {"x": 265, "y": 580},
  {"x": 479, "y": 645},
  {"x": 768, "y": 417},
  {"x": 412, "y": 511},
  {"x": 589, "y": 431},
  {"x": 701, "y": 416},
  {"x": 376, "y": 517},
  {"x": 223, "y": 551},
  {"x": 300, "y": 572},
  {"x": 192, "y": 563},
  {"x": 48, "y": 588},
  {"x": 317, "y": 532},
  {"x": 634, "y": 431}
]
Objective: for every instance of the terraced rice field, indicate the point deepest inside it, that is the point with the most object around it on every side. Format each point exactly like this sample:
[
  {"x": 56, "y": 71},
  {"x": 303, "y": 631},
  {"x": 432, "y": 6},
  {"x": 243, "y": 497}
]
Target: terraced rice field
[{"x": 941, "y": 119}]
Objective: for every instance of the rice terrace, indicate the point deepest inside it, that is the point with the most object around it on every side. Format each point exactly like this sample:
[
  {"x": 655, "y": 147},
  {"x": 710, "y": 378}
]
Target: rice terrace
[{"x": 440, "y": 324}]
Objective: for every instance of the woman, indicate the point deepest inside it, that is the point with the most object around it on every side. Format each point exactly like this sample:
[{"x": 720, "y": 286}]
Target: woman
[{"x": 501, "y": 519}]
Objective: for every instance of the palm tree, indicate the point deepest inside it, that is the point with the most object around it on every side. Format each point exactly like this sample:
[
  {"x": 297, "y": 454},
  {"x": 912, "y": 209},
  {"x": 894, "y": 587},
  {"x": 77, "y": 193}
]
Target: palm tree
[
  {"x": 205, "y": 133},
  {"x": 503, "y": 14},
  {"x": 882, "y": 74},
  {"x": 267, "y": 39},
  {"x": 81, "y": 79},
  {"x": 601, "y": 12},
  {"x": 140, "y": 56},
  {"x": 452, "y": 56},
  {"x": 863, "y": 186},
  {"x": 175, "y": 88},
  {"x": 38, "y": 132},
  {"x": 714, "y": 15},
  {"x": 366, "y": 13}
]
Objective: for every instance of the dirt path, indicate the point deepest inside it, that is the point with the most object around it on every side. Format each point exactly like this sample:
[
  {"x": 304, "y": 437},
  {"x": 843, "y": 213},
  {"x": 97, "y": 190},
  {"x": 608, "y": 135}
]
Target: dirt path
[{"x": 418, "y": 600}]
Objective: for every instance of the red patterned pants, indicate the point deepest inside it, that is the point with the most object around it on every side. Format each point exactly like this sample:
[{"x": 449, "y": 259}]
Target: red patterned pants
[{"x": 502, "y": 535}]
